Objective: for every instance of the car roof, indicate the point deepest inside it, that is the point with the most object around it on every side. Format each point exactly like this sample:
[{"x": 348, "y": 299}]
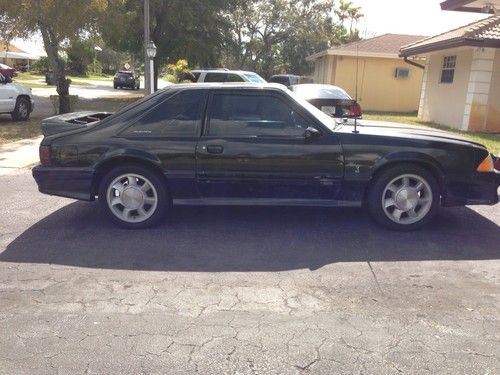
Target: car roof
[
  {"x": 222, "y": 71},
  {"x": 226, "y": 85}
]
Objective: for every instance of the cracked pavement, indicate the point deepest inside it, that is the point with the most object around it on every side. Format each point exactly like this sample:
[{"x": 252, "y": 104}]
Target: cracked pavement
[{"x": 244, "y": 291}]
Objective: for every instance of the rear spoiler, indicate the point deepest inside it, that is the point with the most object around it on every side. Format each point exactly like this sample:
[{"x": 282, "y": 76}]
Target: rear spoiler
[{"x": 71, "y": 121}]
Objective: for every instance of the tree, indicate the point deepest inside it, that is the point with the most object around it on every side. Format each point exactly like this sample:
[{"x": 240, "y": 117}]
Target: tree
[
  {"x": 271, "y": 36},
  {"x": 57, "y": 21},
  {"x": 192, "y": 29},
  {"x": 80, "y": 55},
  {"x": 347, "y": 11}
]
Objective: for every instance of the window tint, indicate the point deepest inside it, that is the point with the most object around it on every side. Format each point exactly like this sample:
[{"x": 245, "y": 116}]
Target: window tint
[
  {"x": 196, "y": 76},
  {"x": 234, "y": 115},
  {"x": 215, "y": 77},
  {"x": 179, "y": 116},
  {"x": 233, "y": 78},
  {"x": 281, "y": 80},
  {"x": 255, "y": 78}
]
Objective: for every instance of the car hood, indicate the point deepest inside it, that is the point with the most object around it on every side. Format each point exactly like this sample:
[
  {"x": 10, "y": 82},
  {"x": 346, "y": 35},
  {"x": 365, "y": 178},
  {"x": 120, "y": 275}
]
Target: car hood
[
  {"x": 20, "y": 89},
  {"x": 394, "y": 129}
]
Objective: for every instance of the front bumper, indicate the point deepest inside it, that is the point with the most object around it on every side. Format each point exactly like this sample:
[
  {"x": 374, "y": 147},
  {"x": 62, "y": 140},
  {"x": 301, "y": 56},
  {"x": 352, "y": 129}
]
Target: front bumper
[
  {"x": 482, "y": 188},
  {"x": 66, "y": 182}
]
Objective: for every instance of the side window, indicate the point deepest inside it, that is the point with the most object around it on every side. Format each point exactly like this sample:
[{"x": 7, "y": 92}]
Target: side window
[
  {"x": 239, "y": 115},
  {"x": 215, "y": 77},
  {"x": 231, "y": 77},
  {"x": 178, "y": 116},
  {"x": 196, "y": 75},
  {"x": 448, "y": 69}
]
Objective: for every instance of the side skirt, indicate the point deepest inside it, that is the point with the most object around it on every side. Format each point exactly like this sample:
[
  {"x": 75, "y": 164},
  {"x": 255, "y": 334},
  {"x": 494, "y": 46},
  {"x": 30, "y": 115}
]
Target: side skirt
[{"x": 265, "y": 202}]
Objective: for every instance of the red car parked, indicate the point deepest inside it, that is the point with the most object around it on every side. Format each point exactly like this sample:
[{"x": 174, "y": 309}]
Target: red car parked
[{"x": 7, "y": 71}]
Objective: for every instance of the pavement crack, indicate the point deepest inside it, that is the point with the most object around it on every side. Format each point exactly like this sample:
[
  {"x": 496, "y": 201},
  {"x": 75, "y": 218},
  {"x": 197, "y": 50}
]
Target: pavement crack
[{"x": 375, "y": 277}]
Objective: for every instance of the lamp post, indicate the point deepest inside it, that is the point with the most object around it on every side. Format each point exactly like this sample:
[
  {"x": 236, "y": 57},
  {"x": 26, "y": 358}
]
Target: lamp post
[{"x": 151, "y": 52}]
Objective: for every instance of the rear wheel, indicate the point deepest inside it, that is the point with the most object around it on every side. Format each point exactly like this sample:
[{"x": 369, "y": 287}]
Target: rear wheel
[
  {"x": 133, "y": 196},
  {"x": 404, "y": 197},
  {"x": 22, "y": 110}
]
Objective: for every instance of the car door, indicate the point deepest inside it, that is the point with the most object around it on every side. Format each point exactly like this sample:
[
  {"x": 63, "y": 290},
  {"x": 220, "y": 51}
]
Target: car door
[
  {"x": 254, "y": 146},
  {"x": 170, "y": 132}
]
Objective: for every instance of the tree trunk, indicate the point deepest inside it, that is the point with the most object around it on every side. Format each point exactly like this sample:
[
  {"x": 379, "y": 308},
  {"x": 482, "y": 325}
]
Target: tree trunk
[{"x": 51, "y": 45}]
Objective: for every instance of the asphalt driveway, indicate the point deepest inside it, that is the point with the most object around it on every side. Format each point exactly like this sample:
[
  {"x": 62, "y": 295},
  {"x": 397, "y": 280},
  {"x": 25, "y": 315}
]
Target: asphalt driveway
[{"x": 244, "y": 290}]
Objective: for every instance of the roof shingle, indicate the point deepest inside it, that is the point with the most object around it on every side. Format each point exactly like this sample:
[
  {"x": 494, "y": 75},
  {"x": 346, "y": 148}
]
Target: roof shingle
[
  {"x": 485, "y": 33},
  {"x": 386, "y": 45}
]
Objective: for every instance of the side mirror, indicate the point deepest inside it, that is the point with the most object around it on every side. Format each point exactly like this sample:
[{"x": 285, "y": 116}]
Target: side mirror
[
  {"x": 8, "y": 80},
  {"x": 311, "y": 133}
]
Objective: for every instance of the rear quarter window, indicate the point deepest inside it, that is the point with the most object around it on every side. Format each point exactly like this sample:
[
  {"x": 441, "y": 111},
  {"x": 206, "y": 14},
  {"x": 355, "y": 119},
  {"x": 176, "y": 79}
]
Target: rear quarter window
[{"x": 178, "y": 116}]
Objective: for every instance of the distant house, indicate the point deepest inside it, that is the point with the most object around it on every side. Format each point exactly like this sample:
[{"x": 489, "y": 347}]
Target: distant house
[
  {"x": 384, "y": 81},
  {"x": 461, "y": 84},
  {"x": 14, "y": 56}
]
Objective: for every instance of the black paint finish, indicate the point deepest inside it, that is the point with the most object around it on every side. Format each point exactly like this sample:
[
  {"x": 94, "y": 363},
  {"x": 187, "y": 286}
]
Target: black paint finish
[{"x": 333, "y": 167}]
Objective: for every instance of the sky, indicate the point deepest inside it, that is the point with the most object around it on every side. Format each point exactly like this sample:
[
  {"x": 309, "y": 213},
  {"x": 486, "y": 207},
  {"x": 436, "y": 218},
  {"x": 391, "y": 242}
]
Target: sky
[{"x": 416, "y": 17}]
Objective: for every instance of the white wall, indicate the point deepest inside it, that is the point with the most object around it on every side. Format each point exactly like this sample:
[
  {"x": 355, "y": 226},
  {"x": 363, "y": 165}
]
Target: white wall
[{"x": 444, "y": 103}]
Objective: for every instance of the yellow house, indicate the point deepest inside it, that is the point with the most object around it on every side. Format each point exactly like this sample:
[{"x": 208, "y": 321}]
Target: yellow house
[
  {"x": 461, "y": 84},
  {"x": 384, "y": 81}
]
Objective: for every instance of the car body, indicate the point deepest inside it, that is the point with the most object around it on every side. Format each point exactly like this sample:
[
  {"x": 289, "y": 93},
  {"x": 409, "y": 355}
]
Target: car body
[
  {"x": 7, "y": 71},
  {"x": 225, "y": 75},
  {"x": 251, "y": 144},
  {"x": 126, "y": 78},
  {"x": 332, "y": 100},
  {"x": 15, "y": 99},
  {"x": 290, "y": 79}
]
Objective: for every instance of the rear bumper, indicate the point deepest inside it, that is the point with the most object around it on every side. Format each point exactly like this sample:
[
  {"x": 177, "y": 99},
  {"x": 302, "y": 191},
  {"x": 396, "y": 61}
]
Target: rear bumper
[
  {"x": 66, "y": 182},
  {"x": 482, "y": 188}
]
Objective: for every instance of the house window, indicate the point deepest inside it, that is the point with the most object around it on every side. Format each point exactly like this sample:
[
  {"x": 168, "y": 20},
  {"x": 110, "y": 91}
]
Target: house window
[
  {"x": 401, "y": 73},
  {"x": 448, "y": 71}
]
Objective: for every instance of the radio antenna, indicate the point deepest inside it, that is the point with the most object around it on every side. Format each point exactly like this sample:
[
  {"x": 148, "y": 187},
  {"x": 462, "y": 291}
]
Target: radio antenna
[{"x": 356, "y": 88}]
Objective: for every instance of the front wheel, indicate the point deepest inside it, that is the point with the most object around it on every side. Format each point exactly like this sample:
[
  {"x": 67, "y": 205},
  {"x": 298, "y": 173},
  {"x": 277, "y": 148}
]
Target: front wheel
[
  {"x": 133, "y": 196},
  {"x": 22, "y": 110},
  {"x": 404, "y": 198}
]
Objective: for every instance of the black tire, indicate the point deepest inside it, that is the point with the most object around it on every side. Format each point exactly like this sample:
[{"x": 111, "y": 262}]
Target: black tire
[
  {"x": 381, "y": 192},
  {"x": 149, "y": 175},
  {"x": 22, "y": 110}
]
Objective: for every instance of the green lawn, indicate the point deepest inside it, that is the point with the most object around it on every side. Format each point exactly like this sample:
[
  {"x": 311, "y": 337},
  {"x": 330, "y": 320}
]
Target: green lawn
[{"x": 491, "y": 141}]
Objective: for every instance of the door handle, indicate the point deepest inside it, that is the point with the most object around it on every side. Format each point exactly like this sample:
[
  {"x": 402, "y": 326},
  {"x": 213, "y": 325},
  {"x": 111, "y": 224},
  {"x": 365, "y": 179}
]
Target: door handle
[{"x": 215, "y": 149}]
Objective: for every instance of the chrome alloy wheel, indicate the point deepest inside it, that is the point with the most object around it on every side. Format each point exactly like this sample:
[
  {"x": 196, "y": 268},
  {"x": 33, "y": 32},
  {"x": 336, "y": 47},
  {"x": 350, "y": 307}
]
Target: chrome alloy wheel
[
  {"x": 132, "y": 198},
  {"x": 407, "y": 199},
  {"x": 23, "y": 109}
]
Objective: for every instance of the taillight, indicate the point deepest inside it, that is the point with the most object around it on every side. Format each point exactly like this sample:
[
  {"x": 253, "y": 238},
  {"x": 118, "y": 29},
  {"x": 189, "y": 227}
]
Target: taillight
[
  {"x": 44, "y": 152},
  {"x": 355, "y": 110}
]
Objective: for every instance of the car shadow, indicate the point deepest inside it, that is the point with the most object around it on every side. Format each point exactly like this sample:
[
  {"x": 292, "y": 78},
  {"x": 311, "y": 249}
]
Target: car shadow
[{"x": 217, "y": 239}]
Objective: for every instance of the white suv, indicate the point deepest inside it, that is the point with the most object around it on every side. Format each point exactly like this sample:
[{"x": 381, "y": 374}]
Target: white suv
[
  {"x": 225, "y": 75},
  {"x": 15, "y": 99}
]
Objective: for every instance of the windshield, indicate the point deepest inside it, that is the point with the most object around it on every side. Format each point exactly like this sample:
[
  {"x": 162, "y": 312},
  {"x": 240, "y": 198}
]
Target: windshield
[
  {"x": 255, "y": 78},
  {"x": 321, "y": 116}
]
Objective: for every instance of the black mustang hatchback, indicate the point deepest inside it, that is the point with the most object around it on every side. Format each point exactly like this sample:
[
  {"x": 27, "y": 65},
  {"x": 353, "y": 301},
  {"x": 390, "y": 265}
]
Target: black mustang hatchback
[{"x": 252, "y": 144}]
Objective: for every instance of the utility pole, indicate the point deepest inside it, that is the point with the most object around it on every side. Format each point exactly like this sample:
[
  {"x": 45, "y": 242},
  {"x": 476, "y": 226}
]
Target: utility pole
[{"x": 147, "y": 71}]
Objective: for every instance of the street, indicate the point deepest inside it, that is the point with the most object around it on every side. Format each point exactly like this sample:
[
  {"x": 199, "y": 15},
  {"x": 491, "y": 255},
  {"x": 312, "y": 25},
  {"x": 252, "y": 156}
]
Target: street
[
  {"x": 94, "y": 89},
  {"x": 244, "y": 290}
]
